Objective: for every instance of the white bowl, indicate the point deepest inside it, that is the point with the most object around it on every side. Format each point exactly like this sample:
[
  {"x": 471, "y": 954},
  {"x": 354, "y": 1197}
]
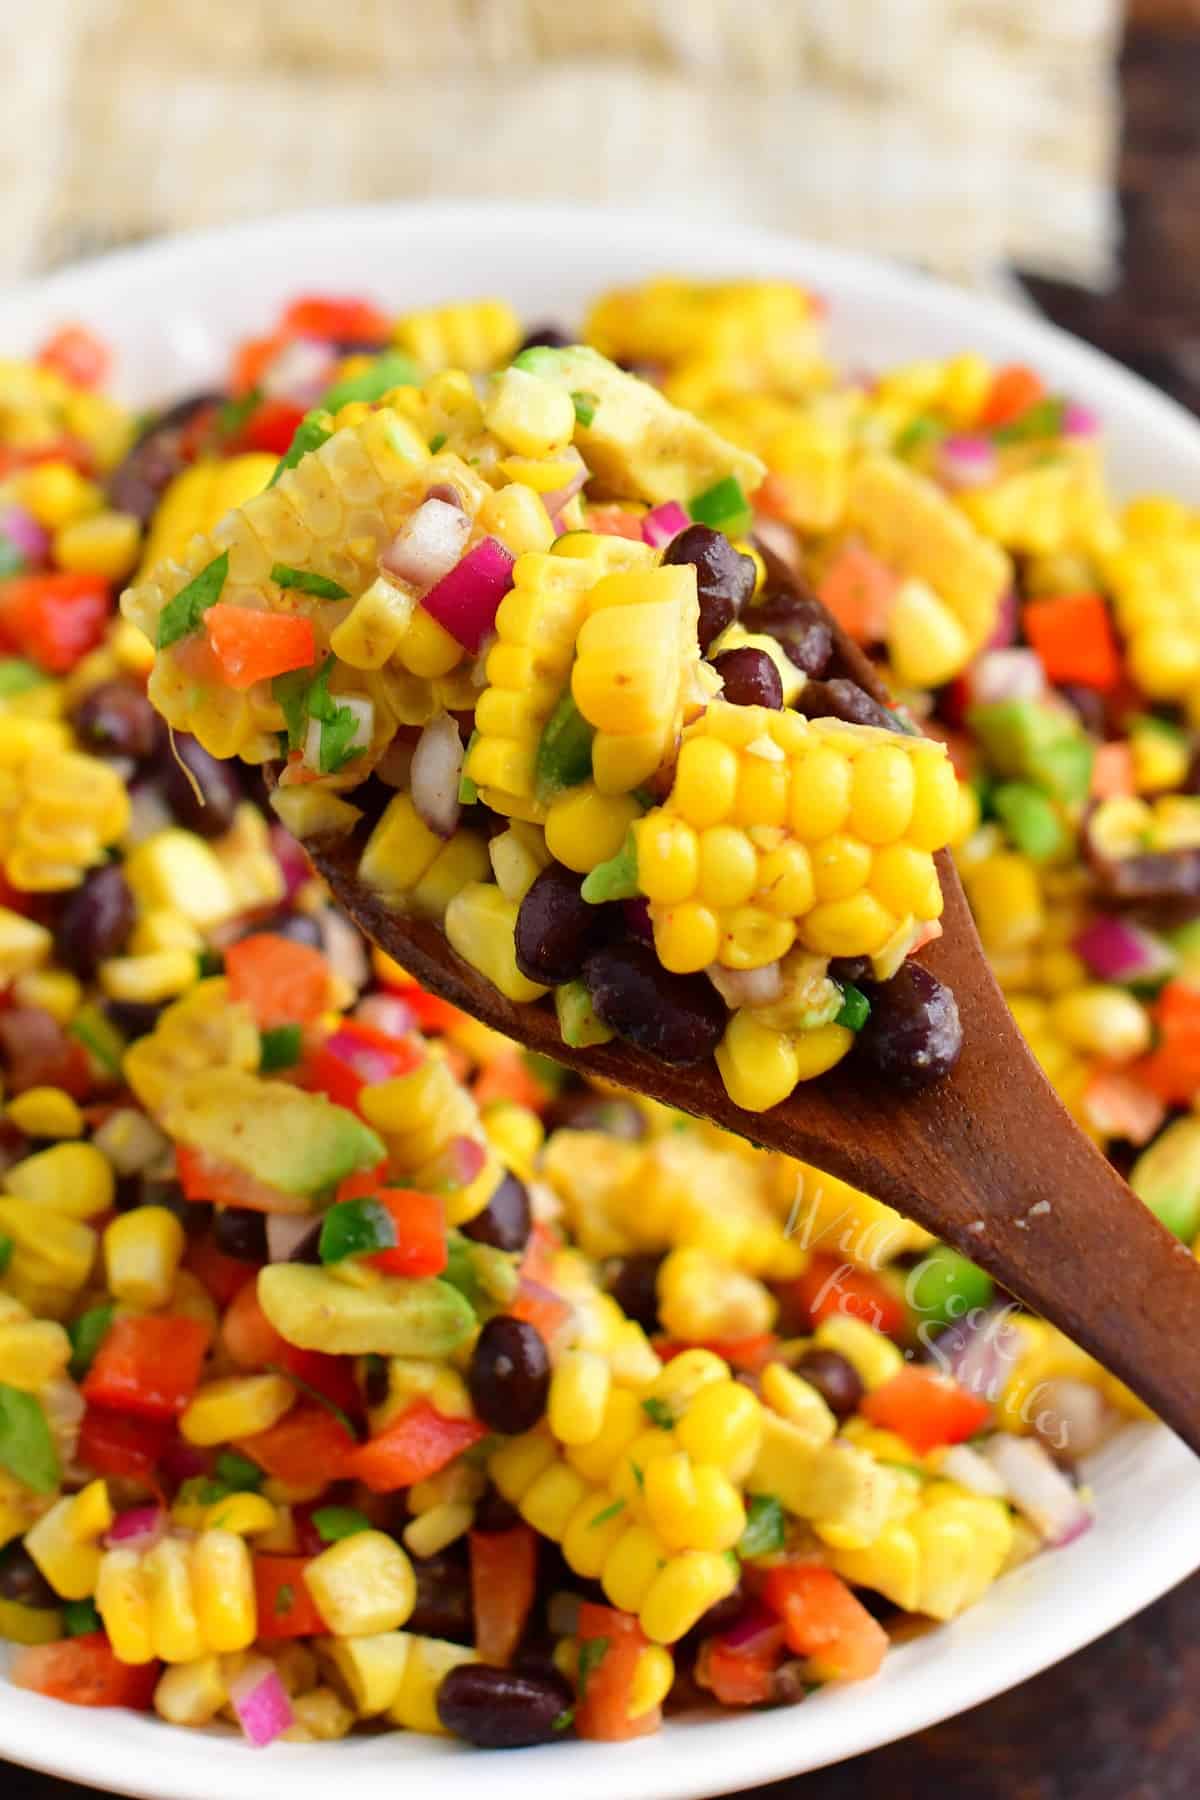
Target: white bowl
[{"x": 171, "y": 311}]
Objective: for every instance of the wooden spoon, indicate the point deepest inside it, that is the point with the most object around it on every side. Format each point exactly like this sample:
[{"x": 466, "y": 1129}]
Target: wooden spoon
[{"x": 987, "y": 1159}]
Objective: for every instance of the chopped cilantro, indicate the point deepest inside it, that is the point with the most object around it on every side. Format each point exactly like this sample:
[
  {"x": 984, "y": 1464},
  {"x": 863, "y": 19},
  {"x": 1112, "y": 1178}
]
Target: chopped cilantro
[
  {"x": 332, "y": 1523},
  {"x": 917, "y": 435},
  {"x": 27, "y": 1449},
  {"x": 239, "y": 1474},
  {"x": 209, "y": 962},
  {"x": 339, "y": 724},
  {"x": 233, "y": 415},
  {"x": 307, "y": 583},
  {"x": 638, "y": 1476},
  {"x": 592, "y": 1652},
  {"x": 280, "y": 1048},
  {"x": 436, "y": 442},
  {"x": 6, "y": 1250},
  {"x": 585, "y": 408},
  {"x": 182, "y": 615},
  {"x": 564, "y": 1720},
  {"x": 1044, "y": 420},
  {"x": 291, "y": 692},
  {"x": 765, "y": 1529},
  {"x": 80, "y": 1618},
  {"x": 609, "y": 1512},
  {"x": 390, "y": 370},
  {"x": 658, "y": 1412},
  {"x": 310, "y": 435},
  {"x": 86, "y": 1334},
  {"x": 16, "y": 675}
]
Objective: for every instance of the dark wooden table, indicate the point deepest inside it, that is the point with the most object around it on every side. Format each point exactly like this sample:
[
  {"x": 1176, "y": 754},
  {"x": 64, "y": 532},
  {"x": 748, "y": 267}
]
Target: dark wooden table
[{"x": 1121, "y": 1720}]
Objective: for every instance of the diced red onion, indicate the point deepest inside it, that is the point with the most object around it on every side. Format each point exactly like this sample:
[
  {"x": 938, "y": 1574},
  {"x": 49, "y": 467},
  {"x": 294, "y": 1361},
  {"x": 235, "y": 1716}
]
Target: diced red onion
[
  {"x": 387, "y": 1013},
  {"x": 345, "y": 951},
  {"x": 369, "y": 1062},
  {"x": 436, "y": 772},
  {"x": 300, "y": 372},
  {"x": 1038, "y": 1488},
  {"x": 1080, "y": 421},
  {"x": 966, "y": 461},
  {"x": 285, "y": 1233},
  {"x": 1116, "y": 950},
  {"x": 394, "y": 767},
  {"x": 1004, "y": 631},
  {"x": 465, "y": 601},
  {"x": 293, "y": 861},
  {"x": 138, "y": 1528},
  {"x": 25, "y": 534},
  {"x": 662, "y": 523},
  {"x": 558, "y": 497},
  {"x": 980, "y": 1351},
  {"x": 1071, "y": 1416},
  {"x": 962, "y": 1464},
  {"x": 755, "y": 1625},
  {"x": 428, "y": 544},
  {"x": 747, "y": 987},
  {"x": 260, "y": 1700},
  {"x": 181, "y": 1461},
  {"x": 1006, "y": 675}
]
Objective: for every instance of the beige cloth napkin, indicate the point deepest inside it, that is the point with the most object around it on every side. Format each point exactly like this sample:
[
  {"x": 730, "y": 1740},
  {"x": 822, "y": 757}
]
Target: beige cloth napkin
[{"x": 966, "y": 134}]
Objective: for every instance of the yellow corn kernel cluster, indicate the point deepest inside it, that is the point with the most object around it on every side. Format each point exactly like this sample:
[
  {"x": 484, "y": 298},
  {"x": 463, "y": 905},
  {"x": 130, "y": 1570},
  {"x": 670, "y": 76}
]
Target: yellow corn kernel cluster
[
  {"x": 938, "y": 1559},
  {"x": 910, "y": 524},
  {"x": 413, "y": 867},
  {"x": 819, "y": 1212},
  {"x": 38, "y": 405},
  {"x": 48, "y": 1197},
  {"x": 527, "y": 669},
  {"x": 418, "y": 1116},
  {"x": 701, "y": 1297},
  {"x": 395, "y": 1673},
  {"x": 1051, "y": 506},
  {"x": 676, "y": 1190},
  {"x": 778, "y": 828},
  {"x": 1153, "y": 574},
  {"x": 204, "y": 1030},
  {"x": 474, "y": 335},
  {"x": 636, "y": 669},
  {"x": 197, "y": 499},
  {"x": 180, "y": 1600},
  {"x": 59, "y": 809}
]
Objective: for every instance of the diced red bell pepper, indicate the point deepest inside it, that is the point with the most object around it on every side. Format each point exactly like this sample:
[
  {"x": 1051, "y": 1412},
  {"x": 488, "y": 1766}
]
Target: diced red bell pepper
[
  {"x": 357, "y": 1056},
  {"x": 115, "y": 1444},
  {"x": 270, "y": 427},
  {"x": 859, "y": 590},
  {"x": 66, "y": 449},
  {"x": 925, "y": 1409},
  {"x": 738, "y": 1669},
  {"x": 286, "y": 1609},
  {"x": 830, "y": 1286},
  {"x": 77, "y": 354},
  {"x": 824, "y": 1621},
  {"x": 1112, "y": 771},
  {"x": 1073, "y": 635},
  {"x": 341, "y": 318},
  {"x": 308, "y": 1445},
  {"x": 223, "y": 1276},
  {"x": 54, "y": 620},
  {"x": 412, "y": 1448},
  {"x": 602, "y": 1705},
  {"x": 749, "y": 1353},
  {"x": 255, "y": 646},
  {"x": 1172, "y": 1069},
  {"x": 503, "y": 1583},
  {"x": 282, "y": 982},
  {"x": 614, "y": 521},
  {"x": 420, "y": 1222},
  {"x": 252, "y": 358},
  {"x": 540, "y": 1307},
  {"x": 1013, "y": 391},
  {"x": 509, "y": 1078},
  {"x": 252, "y": 1342},
  {"x": 85, "y": 1671},
  {"x": 208, "y": 1178},
  {"x": 149, "y": 1366},
  {"x": 430, "y": 1012}
]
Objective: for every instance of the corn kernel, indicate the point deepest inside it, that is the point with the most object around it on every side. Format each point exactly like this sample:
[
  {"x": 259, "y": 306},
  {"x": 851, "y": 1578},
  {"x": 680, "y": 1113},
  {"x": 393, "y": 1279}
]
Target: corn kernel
[
  {"x": 632, "y": 1565},
  {"x": 820, "y": 794},
  {"x": 235, "y": 1406},
  {"x": 686, "y": 937},
  {"x": 142, "y": 1252},
  {"x": 106, "y": 544},
  {"x": 437, "y": 1527},
  {"x": 667, "y": 858},
  {"x": 706, "y": 778},
  {"x": 46, "y": 1112},
  {"x": 246, "y": 1515},
  {"x": 362, "y": 1585},
  {"x": 190, "y": 1693},
  {"x": 57, "y": 494},
  {"x": 683, "y": 1591},
  {"x": 722, "y": 1425},
  {"x": 585, "y": 827},
  {"x": 579, "y": 1390},
  {"x": 72, "y": 1179}
]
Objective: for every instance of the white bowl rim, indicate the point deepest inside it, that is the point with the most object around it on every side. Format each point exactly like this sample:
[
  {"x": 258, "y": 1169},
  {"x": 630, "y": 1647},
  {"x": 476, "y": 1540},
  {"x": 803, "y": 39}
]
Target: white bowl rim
[{"x": 1032, "y": 1618}]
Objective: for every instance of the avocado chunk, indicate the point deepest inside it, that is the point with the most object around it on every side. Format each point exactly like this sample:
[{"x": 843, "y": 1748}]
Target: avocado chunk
[
  {"x": 1167, "y": 1178},
  {"x": 636, "y": 443},
  {"x": 393, "y": 1317},
  {"x": 282, "y": 1136}
]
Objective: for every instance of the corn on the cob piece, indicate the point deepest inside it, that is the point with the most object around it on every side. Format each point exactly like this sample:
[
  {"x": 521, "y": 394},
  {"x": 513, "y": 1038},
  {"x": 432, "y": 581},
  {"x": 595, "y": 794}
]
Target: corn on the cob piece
[
  {"x": 473, "y": 335},
  {"x": 206, "y": 1029},
  {"x": 197, "y": 499},
  {"x": 179, "y": 1600},
  {"x": 940, "y": 1558},
  {"x": 59, "y": 809}
]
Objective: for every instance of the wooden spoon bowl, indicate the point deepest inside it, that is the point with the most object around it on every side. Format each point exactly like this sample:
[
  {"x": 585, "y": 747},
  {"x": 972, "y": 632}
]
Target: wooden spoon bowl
[{"x": 987, "y": 1159}]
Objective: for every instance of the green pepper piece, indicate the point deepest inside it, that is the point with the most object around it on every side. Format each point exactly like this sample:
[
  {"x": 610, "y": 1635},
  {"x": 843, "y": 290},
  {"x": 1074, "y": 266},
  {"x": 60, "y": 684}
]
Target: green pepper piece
[
  {"x": 238, "y": 1474},
  {"x": 724, "y": 506},
  {"x": 468, "y": 790},
  {"x": 1042, "y": 420},
  {"x": 766, "y": 1528},
  {"x": 27, "y": 1449},
  {"x": 577, "y": 1021},
  {"x": 182, "y": 615},
  {"x": 1166, "y": 1176},
  {"x": 86, "y": 1334},
  {"x": 80, "y": 1618},
  {"x": 945, "y": 1286},
  {"x": 390, "y": 370},
  {"x": 16, "y": 675},
  {"x": 1064, "y": 769},
  {"x": 1030, "y": 820},
  {"x": 355, "y": 1228},
  {"x": 280, "y": 1048},
  {"x": 564, "y": 752},
  {"x": 615, "y": 879},
  {"x": 855, "y": 1009},
  {"x": 333, "y": 1523},
  {"x": 310, "y": 435}
]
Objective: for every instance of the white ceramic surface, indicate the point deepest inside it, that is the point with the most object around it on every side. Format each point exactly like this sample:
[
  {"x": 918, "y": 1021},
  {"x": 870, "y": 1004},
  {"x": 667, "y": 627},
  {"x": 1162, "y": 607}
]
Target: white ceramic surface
[{"x": 171, "y": 312}]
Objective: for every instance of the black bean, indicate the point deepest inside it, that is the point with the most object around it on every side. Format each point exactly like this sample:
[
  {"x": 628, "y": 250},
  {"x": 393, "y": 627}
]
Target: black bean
[
  {"x": 506, "y": 1220},
  {"x": 509, "y": 1376},
  {"x": 750, "y": 677},
  {"x": 21, "y": 1579},
  {"x": 1088, "y": 704},
  {"x": 240, "y": 1233},
  {"x": 634, "y": 1287},
  {"x": 442, "y": 1608},
  {"x": 502, "y": 1709},
  {"x": 854, "y": 970},
  {"x": 842, "y": 699},
  {"x": 218, "y": 783},
  {"x": 134, "y": 1018},
  {"x": 308, "y": 1249},
  {"x": 678, "y": 1018},
  {"x": 137, "y": 483},
  {"x": 376, "y": 1382},
  {"x": 913, "y": 1035},
  {"x": 547, "y": 336},
  {"x": 724, "y": 577},
  {"x": 583, "y": 1110},
  {"x": 301, "y": 928},
  {"x": 193, "y": 1215},
  {"x": 494, "y": 1513},
  {"x": 790, "y": 1682},
  {"x": 835, "y": 1379},
  {"x": 95, "y": 921},
  {"x": 556, "y": 927},
  {"x": 801, "y": 628},
  {"x": 116, "y": 719}
]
